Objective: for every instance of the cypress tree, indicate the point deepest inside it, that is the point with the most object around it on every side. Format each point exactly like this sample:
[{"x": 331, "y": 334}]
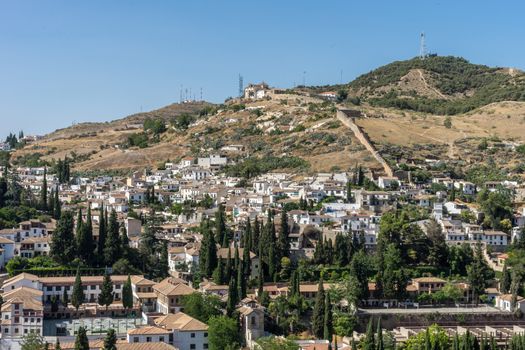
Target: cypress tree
[
  {"x": 241, "y": 281},
  {"x": 63, "y": 249},
  {"x": 51, "y": 203},
  {"x": 105, "y": 298},
  {"x": 247, "y": 237},
  {"x": 229, "y": 266},
  {"x": 256, "y": 234},
  {"x": 368, "y": 341},
  {"x": 319, "y": 311},
  {"x": 124, "y": 240},
  {"x": 43, "y": 192},
  {"x": 82, "y": 342},
  {"x": 232, "y": 297},
  {"x": 57, "y": 206},
  {"x": 65, "y": 298},
  {"x": 57, "y": 345},
  {"x": 112, "y": 246},
  {"x": 380, "y": 344},
  {"x": 328, "y": 321},
  {"x": 246, "y": 263},
  {"x": 283, "y": 243},
  {"x": 79, "y": 222},
  {"x": 260, "y": 280},
  {"x": 77, "y": 297},
  {"x": 127, "y": 294},
  {"x": 505, "y": 279},
  {"x": 110, "y": 341},
  {"x": 101, "y": 235},
  {"x": 218, "y": 273},
  {"x": 272, "y": 268},
  {"x": 221, "y": 234}
]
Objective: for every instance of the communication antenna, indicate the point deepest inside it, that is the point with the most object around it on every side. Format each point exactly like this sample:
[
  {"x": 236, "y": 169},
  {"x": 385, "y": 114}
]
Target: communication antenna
[
  {"x": 341, "y": 78},
  {"x": 241, "y": 85},
  {"x": 304, "y": 78},
  {"x": 422, "y": 47},
  {"x": 201, "y": 95},
  {"x": 180, "y": 91}
]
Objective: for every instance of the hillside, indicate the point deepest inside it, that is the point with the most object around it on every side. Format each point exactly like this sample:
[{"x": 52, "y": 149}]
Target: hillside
[
  {"x": 284, "y": 126},
  {"x": 403, "y": 105},
  {"x": 438, "y": 85}
]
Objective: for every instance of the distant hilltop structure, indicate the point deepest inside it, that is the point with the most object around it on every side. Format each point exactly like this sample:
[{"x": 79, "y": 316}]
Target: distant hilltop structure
[{"x": 256, "y": 91}]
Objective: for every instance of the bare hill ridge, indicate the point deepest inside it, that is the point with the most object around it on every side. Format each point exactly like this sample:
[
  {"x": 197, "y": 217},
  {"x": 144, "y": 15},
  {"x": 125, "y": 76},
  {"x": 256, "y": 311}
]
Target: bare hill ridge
[{"x": 405, "y": 104}]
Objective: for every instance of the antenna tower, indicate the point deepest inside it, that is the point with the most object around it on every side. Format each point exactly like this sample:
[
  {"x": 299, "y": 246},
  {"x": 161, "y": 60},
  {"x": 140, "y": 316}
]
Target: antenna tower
[
  {"x": 241, "y": 85},
  {"x": 422, "y": 47}
]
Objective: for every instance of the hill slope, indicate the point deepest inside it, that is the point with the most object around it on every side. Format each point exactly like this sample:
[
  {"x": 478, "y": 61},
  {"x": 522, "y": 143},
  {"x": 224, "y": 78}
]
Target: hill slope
[
  {"x": 403, "y": 107},
  {"x": 438, "y": 85}
]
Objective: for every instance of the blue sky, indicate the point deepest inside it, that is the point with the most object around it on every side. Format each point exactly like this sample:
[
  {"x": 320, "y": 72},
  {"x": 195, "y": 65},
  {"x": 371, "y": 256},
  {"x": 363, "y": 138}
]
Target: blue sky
[{"x": 95, "y": 60}]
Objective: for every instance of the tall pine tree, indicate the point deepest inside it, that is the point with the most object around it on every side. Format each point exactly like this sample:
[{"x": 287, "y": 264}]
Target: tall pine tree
[{"x": 319, "y": 311}]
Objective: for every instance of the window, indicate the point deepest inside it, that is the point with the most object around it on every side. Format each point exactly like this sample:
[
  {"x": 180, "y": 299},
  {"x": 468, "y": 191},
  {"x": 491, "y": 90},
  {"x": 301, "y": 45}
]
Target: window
[
  {"x": 135, "y": 339},
  {"x": 161, "y": 339},
  {"x": 205, "y": 335},
  {"x": 6, "y": 330},
  {"x": 192, "y": 335},
  {"x": 192, "y": 346},
  {"x": 205, "y": 345},
  {"x": 148, "y": 339},
  {"x": 49, "y": 288},
  {"x": 93, "y": 287}
]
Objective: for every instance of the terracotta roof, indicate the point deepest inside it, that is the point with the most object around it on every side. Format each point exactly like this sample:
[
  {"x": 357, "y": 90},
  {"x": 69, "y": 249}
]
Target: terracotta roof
[
  {"x": 173, "y": 286},
  {"x": 145, "y": 346},
  {"x": 148, "y": 330},
  {"x": 180, "y": 321}
]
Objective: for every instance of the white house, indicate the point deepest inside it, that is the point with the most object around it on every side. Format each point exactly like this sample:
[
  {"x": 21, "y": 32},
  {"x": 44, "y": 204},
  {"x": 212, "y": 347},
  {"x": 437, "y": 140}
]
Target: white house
[
  {"x": 188, "y": 332},
  {"x": 504, "y": 303}
]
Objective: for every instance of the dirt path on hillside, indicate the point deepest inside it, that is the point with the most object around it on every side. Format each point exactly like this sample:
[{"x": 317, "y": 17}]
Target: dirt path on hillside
[{"x": 427, "y": 85}]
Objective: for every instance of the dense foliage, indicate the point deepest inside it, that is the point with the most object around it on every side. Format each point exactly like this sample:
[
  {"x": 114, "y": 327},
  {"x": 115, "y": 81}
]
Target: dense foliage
[{"x": 451, "y": 76}]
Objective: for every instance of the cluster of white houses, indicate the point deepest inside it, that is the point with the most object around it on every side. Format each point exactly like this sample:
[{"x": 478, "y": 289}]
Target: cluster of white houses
[
  {"x": 27, "y": 297},
  {"x": 28, "y": 300}
]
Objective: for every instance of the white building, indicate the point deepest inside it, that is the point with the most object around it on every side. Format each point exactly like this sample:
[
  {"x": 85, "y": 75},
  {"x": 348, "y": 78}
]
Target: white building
[{"x": 188, "y": 332}]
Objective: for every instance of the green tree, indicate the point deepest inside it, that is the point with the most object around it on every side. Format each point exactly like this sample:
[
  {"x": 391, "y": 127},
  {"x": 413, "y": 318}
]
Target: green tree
[
  {"x": 380, "y": 345},
  {"x": 127, "y": 294},
  {"x": 63, "y": 248},
  {"x": 368, "y": 342},
  {"x": 112, "y": 246},
  {"x": 505, "y": 280},
  {"x": 81, "y": 342},
  {"x": 77, "y": 296},
  {"x": 223, "y": 333},
  {"x": 478, "y": 273},
  {"x": 434, "y": 338},
  {"x": 221, "y": 230},
  {"x": 319, "y": 311},
  {"x": 437, "y": 252},
  {"x": 328, "y": 327},
  {"x": 110, "y": 341},
  {"x": 105, "y": 298},
  {"x": 274, "y": 343},
  {"x": 57, "y": 206},
  {"x": 102, "y": 233},
  {"x": 32, "y": 341},
  {"x": 43, "y": 192},
  {"x": 208, "y": 251},
  {"x": 202, "y": 306},
  {"x": 85, "y": 241},
  {"x": 283, "y": 243}
]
